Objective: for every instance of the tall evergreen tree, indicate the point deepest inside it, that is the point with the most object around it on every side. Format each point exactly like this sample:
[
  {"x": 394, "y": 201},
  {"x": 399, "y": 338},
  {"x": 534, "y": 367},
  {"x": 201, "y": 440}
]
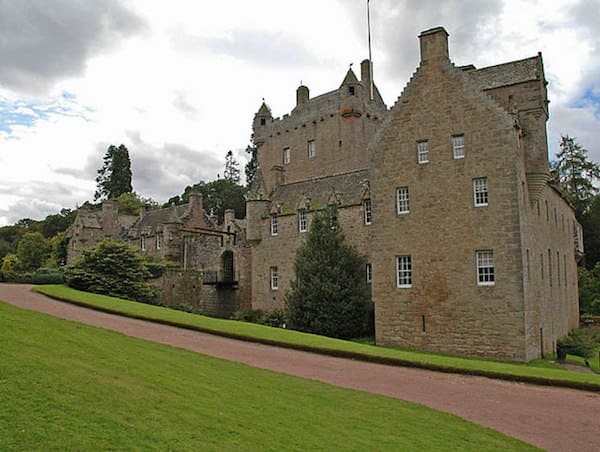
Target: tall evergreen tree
[
  {"x": 329, "y": 294},
  {"x": 232, "y": 172},
  {"x": 114, "y": 178},
  {"x": 252, "y": 164},
  {"x": 576, "y": 173}
]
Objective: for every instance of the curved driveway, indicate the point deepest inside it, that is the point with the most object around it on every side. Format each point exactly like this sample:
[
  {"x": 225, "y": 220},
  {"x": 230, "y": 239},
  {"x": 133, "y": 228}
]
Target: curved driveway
[{"x": 553, "y": 418}]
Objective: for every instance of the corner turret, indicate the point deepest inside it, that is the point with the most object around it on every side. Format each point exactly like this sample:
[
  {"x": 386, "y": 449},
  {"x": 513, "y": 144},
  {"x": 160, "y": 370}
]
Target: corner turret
[{"x": 260, "y": 121}]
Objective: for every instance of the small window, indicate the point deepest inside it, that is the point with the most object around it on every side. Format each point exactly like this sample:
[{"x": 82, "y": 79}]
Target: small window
[
  {"x": 367, "y": 210},
  {"x": 312, "y": 149},
  {"x": 423, "y": 151},
  {"x": 274, "y": 278},
  {"x": 143, "y": 243},
  {"x": 369, "y": 273},
  {"x": 351, "y": 90},
  {"x": 302, "y": 220},
  {"x": 480, "y": 191},
  {"x": 403, "y": 272},
  {"x": 286, "y": 156},
  {"x": 274, "y": 225},
  {"x": 263, "y": 121},
  {"x": 402, "y": 200},
  {"x": 485, "y": 268},
  {"x": 458, "y": 146},
  {"x": 170, "y": 236},
  {"x": 158, "y": 241}
]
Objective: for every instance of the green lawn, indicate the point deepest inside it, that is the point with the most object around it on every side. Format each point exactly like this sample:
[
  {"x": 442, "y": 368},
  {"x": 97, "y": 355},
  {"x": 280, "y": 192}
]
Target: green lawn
[
  {"x": 294, "y": 339},
  {"x": 68, "y": 386}
]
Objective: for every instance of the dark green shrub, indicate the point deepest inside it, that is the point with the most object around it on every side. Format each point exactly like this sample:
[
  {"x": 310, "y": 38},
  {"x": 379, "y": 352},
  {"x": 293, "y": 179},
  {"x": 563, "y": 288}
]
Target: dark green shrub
[
  {"x": 579, "y": 342},
  {"x": 276, "y": 318},
  {"x": 16, "y": 277},
  {"x": 156, "y": 269},
  {"x": 111, "y": 268},
  {"x": 48, "y": 276},
  {"x": 248, "y": 315}
]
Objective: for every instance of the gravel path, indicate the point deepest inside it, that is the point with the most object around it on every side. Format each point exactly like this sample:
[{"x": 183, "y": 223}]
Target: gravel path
[{"x": 557, "y": 419}]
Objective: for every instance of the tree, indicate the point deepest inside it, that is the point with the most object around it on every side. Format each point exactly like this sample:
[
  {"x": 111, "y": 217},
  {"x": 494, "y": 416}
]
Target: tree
[
  {"x": 10, "y": 263},
  {"x": 590, "y": 220},
  {"x": 589, "y": 290},
  {"x": 59, "y": 243},
  {"x": 232, "y": 172},
  {"x": 130, "y": 203},
  {"x": 329, "y": 294},
  {"x": 114, "y": 178},
  {"x": 112, "y": 268},
  {"x": 252, "y": 164},
  {"x": 32, "y": 251},
  {"x": 576, "y": 174},
  {"x": 54, "y": 224}
]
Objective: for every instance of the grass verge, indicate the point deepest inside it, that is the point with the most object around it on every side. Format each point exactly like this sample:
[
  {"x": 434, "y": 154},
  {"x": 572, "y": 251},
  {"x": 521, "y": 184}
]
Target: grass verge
[
  {"x": 325, "y": 345},
  {"x": 68, "y": 386}
]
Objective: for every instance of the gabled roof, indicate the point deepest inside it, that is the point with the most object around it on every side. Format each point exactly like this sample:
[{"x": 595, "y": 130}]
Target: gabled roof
[
  {"x": 264, "y": 110},
  {"x": 172, "y": 214},
  {"x": 350, "y": 78},
  {"x": 347, "y": 188},
  {"x": 506, "y": 74}
]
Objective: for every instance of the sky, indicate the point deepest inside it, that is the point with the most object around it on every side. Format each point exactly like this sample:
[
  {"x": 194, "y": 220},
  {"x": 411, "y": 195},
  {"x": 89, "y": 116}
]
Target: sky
[{"x": 178, "y": 82}]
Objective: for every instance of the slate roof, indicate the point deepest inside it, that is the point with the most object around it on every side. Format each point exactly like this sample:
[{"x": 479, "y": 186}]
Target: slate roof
[
  {"x": 349, "y": 189},
  {"x": 172, "y": 214},
  {"x": 506, "y": 74}
]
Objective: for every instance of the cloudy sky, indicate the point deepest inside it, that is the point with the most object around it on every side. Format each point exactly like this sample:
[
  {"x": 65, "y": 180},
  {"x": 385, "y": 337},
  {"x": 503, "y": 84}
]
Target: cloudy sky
[{"x": 178, "y": 82}]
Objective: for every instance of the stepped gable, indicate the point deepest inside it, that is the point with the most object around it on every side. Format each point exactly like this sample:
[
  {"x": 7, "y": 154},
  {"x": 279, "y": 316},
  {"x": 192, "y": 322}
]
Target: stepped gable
[{"x": 348, "y": 189}]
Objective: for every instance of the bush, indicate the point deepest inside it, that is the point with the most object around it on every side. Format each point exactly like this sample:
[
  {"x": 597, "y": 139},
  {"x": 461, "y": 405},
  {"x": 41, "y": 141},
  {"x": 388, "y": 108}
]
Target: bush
[
  {"x": 156, "y": 269},
  {"x": 579, "y": 342},
  {"x": 48, "y": 276},
  {"x": 111, "y": 268},
  {"x": 248, "y": 315},
  {"x": 276, "y": 318}
]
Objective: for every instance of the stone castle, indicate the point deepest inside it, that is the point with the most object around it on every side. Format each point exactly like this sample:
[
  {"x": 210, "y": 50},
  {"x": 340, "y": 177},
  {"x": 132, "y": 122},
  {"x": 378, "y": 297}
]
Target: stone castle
[{"x": 470, "y": 249}]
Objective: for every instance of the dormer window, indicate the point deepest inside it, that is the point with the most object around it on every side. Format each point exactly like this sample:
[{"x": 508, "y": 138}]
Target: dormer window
[{"x": 351, "y": 90}]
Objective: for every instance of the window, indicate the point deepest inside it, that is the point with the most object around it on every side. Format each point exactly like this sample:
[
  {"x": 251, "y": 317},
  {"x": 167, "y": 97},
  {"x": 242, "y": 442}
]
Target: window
[
  {"x": 302, "y": 220},
  {"x": 458, "y": 146},
  {"x": 367, "y": 210},
  {"x": 274, "y": 278},
  {"x": 402, "y": 200},
  {"x": 351, "y": 90},
  {"x": 480, "y": 191},
  {"x": 423, "y": 151},
  {"x": 274, "y": 225},
  {"x": 158, "y": 241},
  {"x": 369, "y": 273},
  {"x": 263, "y": 121},
  {"x": 485, "y": 268},
  {"x": 143, "y": 243},
  {"x": 286, "y": 156},
  {"x": 312, "y": 149},
  {"x": 403, "y": 272}
]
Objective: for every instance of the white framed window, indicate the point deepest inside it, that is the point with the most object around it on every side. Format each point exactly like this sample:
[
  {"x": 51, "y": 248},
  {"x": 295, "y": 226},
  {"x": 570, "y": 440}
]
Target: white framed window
[
  {"x": 158, "y": 241},
  {"x": 367, "y": 210},
  {"x": 402, "y": 200},
  {"x": 312, "y": 149},
  {"x": 458, "y": 146},
  {"x": 369, "y": 273},
  {"x": 485, "y": 268},
  {"x": 143, "y": 243},
  {"x": 423, "y": 151},
  {"x": 403, "y": 272},
  {"x": 274, "y": 224},
  {"x": 480, "y": 191},
  {"x": 286, "y": 155},
  {"x": 274, "y": 278},
  {"x": 302, "y": 220}
]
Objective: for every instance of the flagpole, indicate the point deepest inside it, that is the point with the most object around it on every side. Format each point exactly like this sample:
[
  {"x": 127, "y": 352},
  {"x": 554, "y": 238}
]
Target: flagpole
[{"x": 370, "y": 60}]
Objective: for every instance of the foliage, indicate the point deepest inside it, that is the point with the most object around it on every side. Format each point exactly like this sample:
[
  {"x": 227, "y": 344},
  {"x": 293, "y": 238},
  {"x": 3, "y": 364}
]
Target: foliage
[
  {"x": 58, "y": 246},
  {"x": 217, "y": 197},
  {"x": 326, "y": 345},
  {"x": 130, "y": 203},
  {"x": 252, "y": 164},
  {"x": 580, "y": 342},
  {"x": 248, "y": 315},
  {"x": 19, "y": 277},
  {"x": 590, "y": 220},
  {"x": 114, "y": 177},
  {"x": 10, "y": 263},
  {"x": 157, "y": 269},
  {"x": 576, "y": 173},
  {"x": 275, "y": 318},
  {"x": 47, "y": 276},
  {"x": 589, "y": 290},
  {"x": 231, "y": 172},
  {"x": 57, "y": 223},
  {"x": 33, "y": 250},
  {"x": 112, "y": 268},
  {"x": 329, "y": 294}
]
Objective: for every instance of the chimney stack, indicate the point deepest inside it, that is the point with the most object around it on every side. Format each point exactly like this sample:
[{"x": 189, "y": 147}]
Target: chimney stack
[
  {"x": 434, "y": 45},
  {"x": 302, "y": 95}
]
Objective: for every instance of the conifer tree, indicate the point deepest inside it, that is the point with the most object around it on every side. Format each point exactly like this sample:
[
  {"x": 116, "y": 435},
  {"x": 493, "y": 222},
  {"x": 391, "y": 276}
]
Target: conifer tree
[
  {"x": 576, "y": 173},
  {"x": 329, "y": 294},
  {"x": 114, "y": 178},
  {"x": 232, "y": 172},
  {"x": 252, "y": 164}
]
